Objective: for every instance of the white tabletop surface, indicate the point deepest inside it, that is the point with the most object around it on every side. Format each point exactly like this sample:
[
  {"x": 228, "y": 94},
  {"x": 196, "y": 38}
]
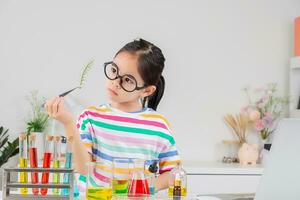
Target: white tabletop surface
[{"x": 202, "y": 167}]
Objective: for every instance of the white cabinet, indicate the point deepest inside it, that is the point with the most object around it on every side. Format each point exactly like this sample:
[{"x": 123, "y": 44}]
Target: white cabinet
[
  {"x": 294, "y": 87},
  {"x": 220, "y": 178}
]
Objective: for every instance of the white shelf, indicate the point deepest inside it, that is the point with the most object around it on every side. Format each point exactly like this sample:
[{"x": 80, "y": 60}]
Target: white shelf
[
  {"x": 294, "y": 87},
  {"x": 295, "y": 62}
]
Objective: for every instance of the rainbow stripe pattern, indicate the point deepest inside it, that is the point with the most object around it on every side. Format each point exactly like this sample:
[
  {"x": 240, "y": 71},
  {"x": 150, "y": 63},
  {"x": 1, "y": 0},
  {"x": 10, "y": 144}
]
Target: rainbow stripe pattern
[{"x": 110, "y": 133}]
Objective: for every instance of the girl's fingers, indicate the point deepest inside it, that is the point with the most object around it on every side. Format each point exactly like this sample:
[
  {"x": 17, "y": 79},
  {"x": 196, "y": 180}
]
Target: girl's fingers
[
  {"x": 48, "y": 106},
  {"x": 55, "y": 106}
]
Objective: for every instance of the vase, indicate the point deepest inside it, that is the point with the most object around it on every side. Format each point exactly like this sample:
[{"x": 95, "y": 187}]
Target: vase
[
  {"x": 264, "y": 151},
  {"x": 248, "y": 154}
]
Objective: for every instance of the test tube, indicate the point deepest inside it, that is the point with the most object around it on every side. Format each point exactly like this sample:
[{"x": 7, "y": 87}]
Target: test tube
[
  {"x": 56, "y": 162},
  {"x": 23, "y": 159},
  {"x": 33, "y": 162},
  {"x": 46, "y": 162},
  {"x": 68, "y": 163}
]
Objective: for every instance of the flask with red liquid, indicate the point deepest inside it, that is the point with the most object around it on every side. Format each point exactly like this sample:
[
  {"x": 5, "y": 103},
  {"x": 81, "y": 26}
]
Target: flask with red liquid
[
  {"x": 138, "y": 186},
  {"x": 47, "y": 162},
  {"x": 33, "y": 162}
]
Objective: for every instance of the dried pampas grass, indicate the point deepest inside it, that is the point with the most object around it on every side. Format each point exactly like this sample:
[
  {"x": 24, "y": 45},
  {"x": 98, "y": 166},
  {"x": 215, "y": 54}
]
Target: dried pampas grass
[{"x": 238, "y": 123}]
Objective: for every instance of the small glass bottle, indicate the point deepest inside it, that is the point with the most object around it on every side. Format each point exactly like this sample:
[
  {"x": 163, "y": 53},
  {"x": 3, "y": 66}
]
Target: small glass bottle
[
  {"x": 177, "y": 182},
  {"x": 23, "y": 159}
]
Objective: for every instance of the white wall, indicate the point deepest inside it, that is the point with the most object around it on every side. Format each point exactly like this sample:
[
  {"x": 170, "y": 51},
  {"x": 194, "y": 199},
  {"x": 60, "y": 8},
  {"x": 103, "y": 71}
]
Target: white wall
[{"x": 213, "y": 49}]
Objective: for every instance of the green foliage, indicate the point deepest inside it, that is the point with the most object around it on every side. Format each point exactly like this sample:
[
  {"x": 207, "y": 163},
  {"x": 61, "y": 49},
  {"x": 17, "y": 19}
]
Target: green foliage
[
  {"x": 39, "y": 119},
  {"x": 84, "y": 73},
  {"x": 7, "y": 149}
]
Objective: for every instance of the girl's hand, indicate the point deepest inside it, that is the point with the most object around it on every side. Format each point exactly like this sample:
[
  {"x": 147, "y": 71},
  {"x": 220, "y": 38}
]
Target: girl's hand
[{"x": 55, "y": 109}]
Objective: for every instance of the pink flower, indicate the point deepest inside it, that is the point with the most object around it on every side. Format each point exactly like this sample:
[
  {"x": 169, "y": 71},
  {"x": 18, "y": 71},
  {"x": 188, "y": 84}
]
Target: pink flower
[
  {"x": 268, "y": 114},
  {"x": 254, "y": 115},
  {"x": 259, "y": 125},
  {"x": 267, "y": 120}
]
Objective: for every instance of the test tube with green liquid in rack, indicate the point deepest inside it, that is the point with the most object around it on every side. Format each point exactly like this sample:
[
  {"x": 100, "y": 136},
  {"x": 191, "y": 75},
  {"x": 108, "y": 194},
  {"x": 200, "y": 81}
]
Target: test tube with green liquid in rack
[{"x": 56, "y": 162}]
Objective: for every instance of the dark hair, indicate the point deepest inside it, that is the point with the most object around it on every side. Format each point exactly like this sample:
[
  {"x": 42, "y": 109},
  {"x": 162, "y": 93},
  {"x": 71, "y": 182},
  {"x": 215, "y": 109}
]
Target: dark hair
[{"x": 151, "y": 63}]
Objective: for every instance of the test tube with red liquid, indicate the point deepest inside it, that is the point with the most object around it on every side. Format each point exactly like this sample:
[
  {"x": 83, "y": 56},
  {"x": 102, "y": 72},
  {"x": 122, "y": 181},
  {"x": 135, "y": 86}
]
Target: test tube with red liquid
[
  {"x": 47, "y": 162},
  {"x": 33, "y": 162}
]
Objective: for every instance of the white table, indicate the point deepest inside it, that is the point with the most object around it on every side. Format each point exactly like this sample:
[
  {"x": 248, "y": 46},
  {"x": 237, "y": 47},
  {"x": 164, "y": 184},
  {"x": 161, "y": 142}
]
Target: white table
[{"x": 221, "y": 178}]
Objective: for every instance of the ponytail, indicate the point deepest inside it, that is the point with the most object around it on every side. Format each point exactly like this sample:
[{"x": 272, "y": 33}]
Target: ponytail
[{"x": 153, "y": 100}]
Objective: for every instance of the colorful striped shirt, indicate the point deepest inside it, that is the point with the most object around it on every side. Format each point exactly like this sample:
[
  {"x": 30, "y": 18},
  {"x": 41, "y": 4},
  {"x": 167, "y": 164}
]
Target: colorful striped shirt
[{"x": 110, "y": 133}]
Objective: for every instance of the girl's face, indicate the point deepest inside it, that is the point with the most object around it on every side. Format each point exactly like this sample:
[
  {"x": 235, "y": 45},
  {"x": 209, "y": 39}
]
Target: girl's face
[{"x": 126, "y": 63}]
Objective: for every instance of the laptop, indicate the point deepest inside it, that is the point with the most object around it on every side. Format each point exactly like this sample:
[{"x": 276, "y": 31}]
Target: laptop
[{"x": 281, "y": 176}]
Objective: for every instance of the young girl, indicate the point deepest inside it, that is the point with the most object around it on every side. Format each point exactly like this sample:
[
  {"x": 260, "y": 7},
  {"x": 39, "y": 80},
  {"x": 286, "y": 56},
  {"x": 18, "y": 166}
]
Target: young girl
[{"x": 128, "y": 126}]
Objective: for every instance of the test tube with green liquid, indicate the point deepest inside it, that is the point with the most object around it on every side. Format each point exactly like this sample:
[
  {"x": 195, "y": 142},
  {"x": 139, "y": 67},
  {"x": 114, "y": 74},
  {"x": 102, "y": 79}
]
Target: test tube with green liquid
[{"x": 56, "y": 162}]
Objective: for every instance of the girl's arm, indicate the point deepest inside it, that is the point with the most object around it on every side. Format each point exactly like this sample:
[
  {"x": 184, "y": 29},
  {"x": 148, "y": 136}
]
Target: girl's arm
[
  {"x": 80, "y": 154},
  {"x": 55, "y": 108},
  {"x": 162, "y": 182}
]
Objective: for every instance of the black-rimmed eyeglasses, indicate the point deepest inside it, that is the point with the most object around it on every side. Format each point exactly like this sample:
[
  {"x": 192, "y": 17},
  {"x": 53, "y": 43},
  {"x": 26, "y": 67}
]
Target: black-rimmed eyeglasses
[{"x": 127, "y": 81}]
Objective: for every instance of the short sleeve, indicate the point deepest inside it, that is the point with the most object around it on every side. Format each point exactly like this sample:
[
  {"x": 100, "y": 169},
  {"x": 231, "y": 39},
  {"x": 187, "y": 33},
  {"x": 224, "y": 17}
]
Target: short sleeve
[
  {"x": 169, "y": 157},
  {"x": 85, "y": 130}
]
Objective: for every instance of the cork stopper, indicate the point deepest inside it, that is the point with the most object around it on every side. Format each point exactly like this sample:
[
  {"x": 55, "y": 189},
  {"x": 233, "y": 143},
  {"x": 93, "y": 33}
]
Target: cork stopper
[
  {"x": 57, "y": 138},
  {"x": 22, "y": 136},
  {"x": 49, "y": 137},
  {"x": 32, "y": 137}
]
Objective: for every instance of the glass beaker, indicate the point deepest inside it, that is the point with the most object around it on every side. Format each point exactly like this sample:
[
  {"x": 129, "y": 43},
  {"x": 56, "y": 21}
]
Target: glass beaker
[
  {"x": 120, "y": 176},
  {"x": 138, "y": 186},
  {"x": 99, "y": 181}
]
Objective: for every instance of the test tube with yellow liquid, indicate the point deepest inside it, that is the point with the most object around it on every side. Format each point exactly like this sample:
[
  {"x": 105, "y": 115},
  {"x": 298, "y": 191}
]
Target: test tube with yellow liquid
[{"x": 23, "y": 160}]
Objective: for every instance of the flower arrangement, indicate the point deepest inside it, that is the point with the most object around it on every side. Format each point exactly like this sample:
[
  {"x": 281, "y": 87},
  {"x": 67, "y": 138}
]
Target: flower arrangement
[
  {"x": 238, "y": 124},
  {"x": 265, "y": 109}
]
